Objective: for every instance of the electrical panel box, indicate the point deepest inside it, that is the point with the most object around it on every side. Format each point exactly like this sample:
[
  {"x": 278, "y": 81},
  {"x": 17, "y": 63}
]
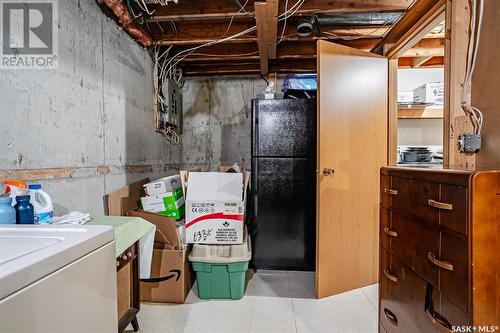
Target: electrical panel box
[
  {"x": 170, "y": 112},
  {"x": 469, "y": 143}
]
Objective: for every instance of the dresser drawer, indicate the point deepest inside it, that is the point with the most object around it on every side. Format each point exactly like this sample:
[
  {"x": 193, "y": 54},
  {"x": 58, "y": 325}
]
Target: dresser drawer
[
  {"x": 386, "y": 191},
  {"x": 413, "y": 198},
  {"x": 454, "y": 283},
  {"x": 444, "y": 314},
  {"x": 453, "y": 314},
  {"x": 385, "y": 228},
  {"x": 385, "y": 318},
  {"x": 412, "y": 245},
  {"x": 454, "y": 218},
  {"x": 408, "y": 297}
]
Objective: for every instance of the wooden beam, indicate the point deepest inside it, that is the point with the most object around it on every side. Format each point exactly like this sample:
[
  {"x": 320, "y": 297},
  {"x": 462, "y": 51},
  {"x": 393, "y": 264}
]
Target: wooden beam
[
  {"x": 197, "y": 17},
  {"x": 456, "y": 123},
  {"x": 272, "y": 27},
  {"x": 192, "y": 34},
  {"x": 429, "y": 47},
  {"x": 219, "y": 9},
  {"x": 418, "y": 61},
  {"x": 286, "y": 66},
  {"x": 434, "y": 62},
  {"x": 417, "y": 17},
  {"x": 392, "y": 130},
  {"x": 262, "y": 35}
]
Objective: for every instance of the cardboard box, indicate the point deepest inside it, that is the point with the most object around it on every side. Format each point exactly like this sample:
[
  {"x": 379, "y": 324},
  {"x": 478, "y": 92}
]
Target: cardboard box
[
  {"x": 171, "y": 277},
  {"x": 125, "y": 199},
  {"x": 405, "y": 97},
  {"x": 215, "y": 207},
  {"x": 170, "y": 204},
  {"x": 430, "y": 92},
  {"x": 166, "y": 229},
  {"x": 163, "y": 185}
]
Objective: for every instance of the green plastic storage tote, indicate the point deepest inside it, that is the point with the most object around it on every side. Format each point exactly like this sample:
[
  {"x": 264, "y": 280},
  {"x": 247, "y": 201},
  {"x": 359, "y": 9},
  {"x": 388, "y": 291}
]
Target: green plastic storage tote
[{"x": 221, "y": 269}]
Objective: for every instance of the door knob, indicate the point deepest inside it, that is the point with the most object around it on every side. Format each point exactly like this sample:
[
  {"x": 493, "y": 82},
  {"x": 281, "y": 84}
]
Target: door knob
[{"x": 328, "y": 171}]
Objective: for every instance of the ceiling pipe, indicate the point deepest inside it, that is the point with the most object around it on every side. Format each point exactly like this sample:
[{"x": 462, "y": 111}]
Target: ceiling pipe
[{"x": 357, "y": 19}]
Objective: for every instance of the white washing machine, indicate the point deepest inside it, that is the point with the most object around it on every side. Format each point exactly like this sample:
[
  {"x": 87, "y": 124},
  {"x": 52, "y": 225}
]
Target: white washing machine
[{"x": 57, "y": 279}]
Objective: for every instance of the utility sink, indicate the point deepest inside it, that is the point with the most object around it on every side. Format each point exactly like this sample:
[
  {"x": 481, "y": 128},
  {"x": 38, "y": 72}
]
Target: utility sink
[
  {"x": 31, "y": 252},
  {"x": 12, "y": 247}
]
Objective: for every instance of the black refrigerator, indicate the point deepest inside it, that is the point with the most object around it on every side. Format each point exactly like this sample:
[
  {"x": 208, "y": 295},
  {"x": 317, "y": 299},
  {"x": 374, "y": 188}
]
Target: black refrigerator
[{"x": 283, "y": 187}]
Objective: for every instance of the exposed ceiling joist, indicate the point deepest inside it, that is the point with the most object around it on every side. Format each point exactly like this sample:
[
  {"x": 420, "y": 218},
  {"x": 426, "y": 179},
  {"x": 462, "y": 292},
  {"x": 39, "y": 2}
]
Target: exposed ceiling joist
[
  {"x": 288, "y": 66},
  {"x": 419, "y": 61},
  {"x": 407, "y": 62},
  {"x": 272, "y": 27},
  {"x": 218, "y": 9},
  {"x": 189, "y": 35},
  {"x": 428, "y": 47},
  {"x": 262, "y": 36},
  {"x": 420, "y": 14},
  {"x": 304, "y": 48}
]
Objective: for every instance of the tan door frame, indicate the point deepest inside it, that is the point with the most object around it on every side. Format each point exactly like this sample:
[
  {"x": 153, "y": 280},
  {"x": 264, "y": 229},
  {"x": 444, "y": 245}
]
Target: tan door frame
[{"x": 416, "y": 32}]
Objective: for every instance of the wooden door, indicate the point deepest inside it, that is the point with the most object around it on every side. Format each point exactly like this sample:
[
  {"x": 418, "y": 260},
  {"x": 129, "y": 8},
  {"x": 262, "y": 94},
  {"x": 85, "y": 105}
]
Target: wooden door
[{"x": 352, "y": 146}]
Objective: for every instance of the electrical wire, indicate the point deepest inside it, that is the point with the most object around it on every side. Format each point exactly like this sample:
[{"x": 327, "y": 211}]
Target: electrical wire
[
  {"x": 242, "y": 8},
  {"x": 476, "y": 19},
  {"x": 144, "y": 7},
  {"x": 284, "y": 23}
]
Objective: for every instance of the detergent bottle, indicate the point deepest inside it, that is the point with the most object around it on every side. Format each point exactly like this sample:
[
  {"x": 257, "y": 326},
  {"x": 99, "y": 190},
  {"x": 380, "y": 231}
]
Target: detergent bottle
[
  {"x": 14, "y": 188},
  {"x": 42, "y": 204},
  {"x": 7, "y": 212},
  {"x": 24, "y": 210}
]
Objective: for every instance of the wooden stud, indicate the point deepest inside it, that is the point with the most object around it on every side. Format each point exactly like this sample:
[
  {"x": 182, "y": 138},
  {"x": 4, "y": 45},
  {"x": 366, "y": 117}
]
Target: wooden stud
[
  {"x": 456, "y": 45},
  {"x": 262, "y": 35},
  {"x": 392, "y": 132},
  {"x": 272, "y": 27}
]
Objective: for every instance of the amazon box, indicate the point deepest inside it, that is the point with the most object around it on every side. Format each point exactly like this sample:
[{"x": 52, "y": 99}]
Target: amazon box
[{"x": 171, "y": 278}]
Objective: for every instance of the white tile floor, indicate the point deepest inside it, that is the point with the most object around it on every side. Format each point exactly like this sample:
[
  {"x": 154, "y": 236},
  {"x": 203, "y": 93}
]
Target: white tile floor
[{"x": 275, "y": 302}]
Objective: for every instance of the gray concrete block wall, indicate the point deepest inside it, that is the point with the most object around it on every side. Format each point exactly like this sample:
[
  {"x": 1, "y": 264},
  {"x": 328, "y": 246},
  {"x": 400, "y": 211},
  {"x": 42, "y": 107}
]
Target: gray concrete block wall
[
  {"x": 94, "y": 110},
  {"x": 217, "y": 120}
]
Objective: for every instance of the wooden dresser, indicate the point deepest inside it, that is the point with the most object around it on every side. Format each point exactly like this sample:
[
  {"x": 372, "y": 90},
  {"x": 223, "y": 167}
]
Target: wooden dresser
[{"x": 439, "y": 249}]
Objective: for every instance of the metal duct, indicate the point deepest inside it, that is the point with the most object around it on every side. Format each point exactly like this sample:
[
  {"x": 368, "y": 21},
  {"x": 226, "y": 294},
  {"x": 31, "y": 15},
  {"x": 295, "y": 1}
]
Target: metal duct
[{"x": 357, "y": 19}]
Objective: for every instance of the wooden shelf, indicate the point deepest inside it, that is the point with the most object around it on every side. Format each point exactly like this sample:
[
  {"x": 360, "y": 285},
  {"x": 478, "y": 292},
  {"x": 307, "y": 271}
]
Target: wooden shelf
[{"x": 419, "y": 112}]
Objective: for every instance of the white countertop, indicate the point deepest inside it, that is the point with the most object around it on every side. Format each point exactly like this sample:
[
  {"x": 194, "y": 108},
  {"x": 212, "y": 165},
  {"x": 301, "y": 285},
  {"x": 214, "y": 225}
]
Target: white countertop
[{"x": 30, "y": 252}]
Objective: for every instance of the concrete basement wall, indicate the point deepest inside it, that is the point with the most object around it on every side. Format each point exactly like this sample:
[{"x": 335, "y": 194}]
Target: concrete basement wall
[
  {"x": 91, "y": 118},
  {"x": 217, "y": 120}
]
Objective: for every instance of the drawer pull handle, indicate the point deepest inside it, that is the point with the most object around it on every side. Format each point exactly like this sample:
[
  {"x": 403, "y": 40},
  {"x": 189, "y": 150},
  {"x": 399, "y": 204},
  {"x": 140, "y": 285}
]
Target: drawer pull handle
[
  {"x": 439, "y": 320},
  {"x": 440, "y": 205},
  {"x": 440, "y": 263},
  {"x": 391, "y": 191},
  {"x": 391, "y": 317},
  {"x": 390, "y": 232},
  {"x": 390, "y": 276}
]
